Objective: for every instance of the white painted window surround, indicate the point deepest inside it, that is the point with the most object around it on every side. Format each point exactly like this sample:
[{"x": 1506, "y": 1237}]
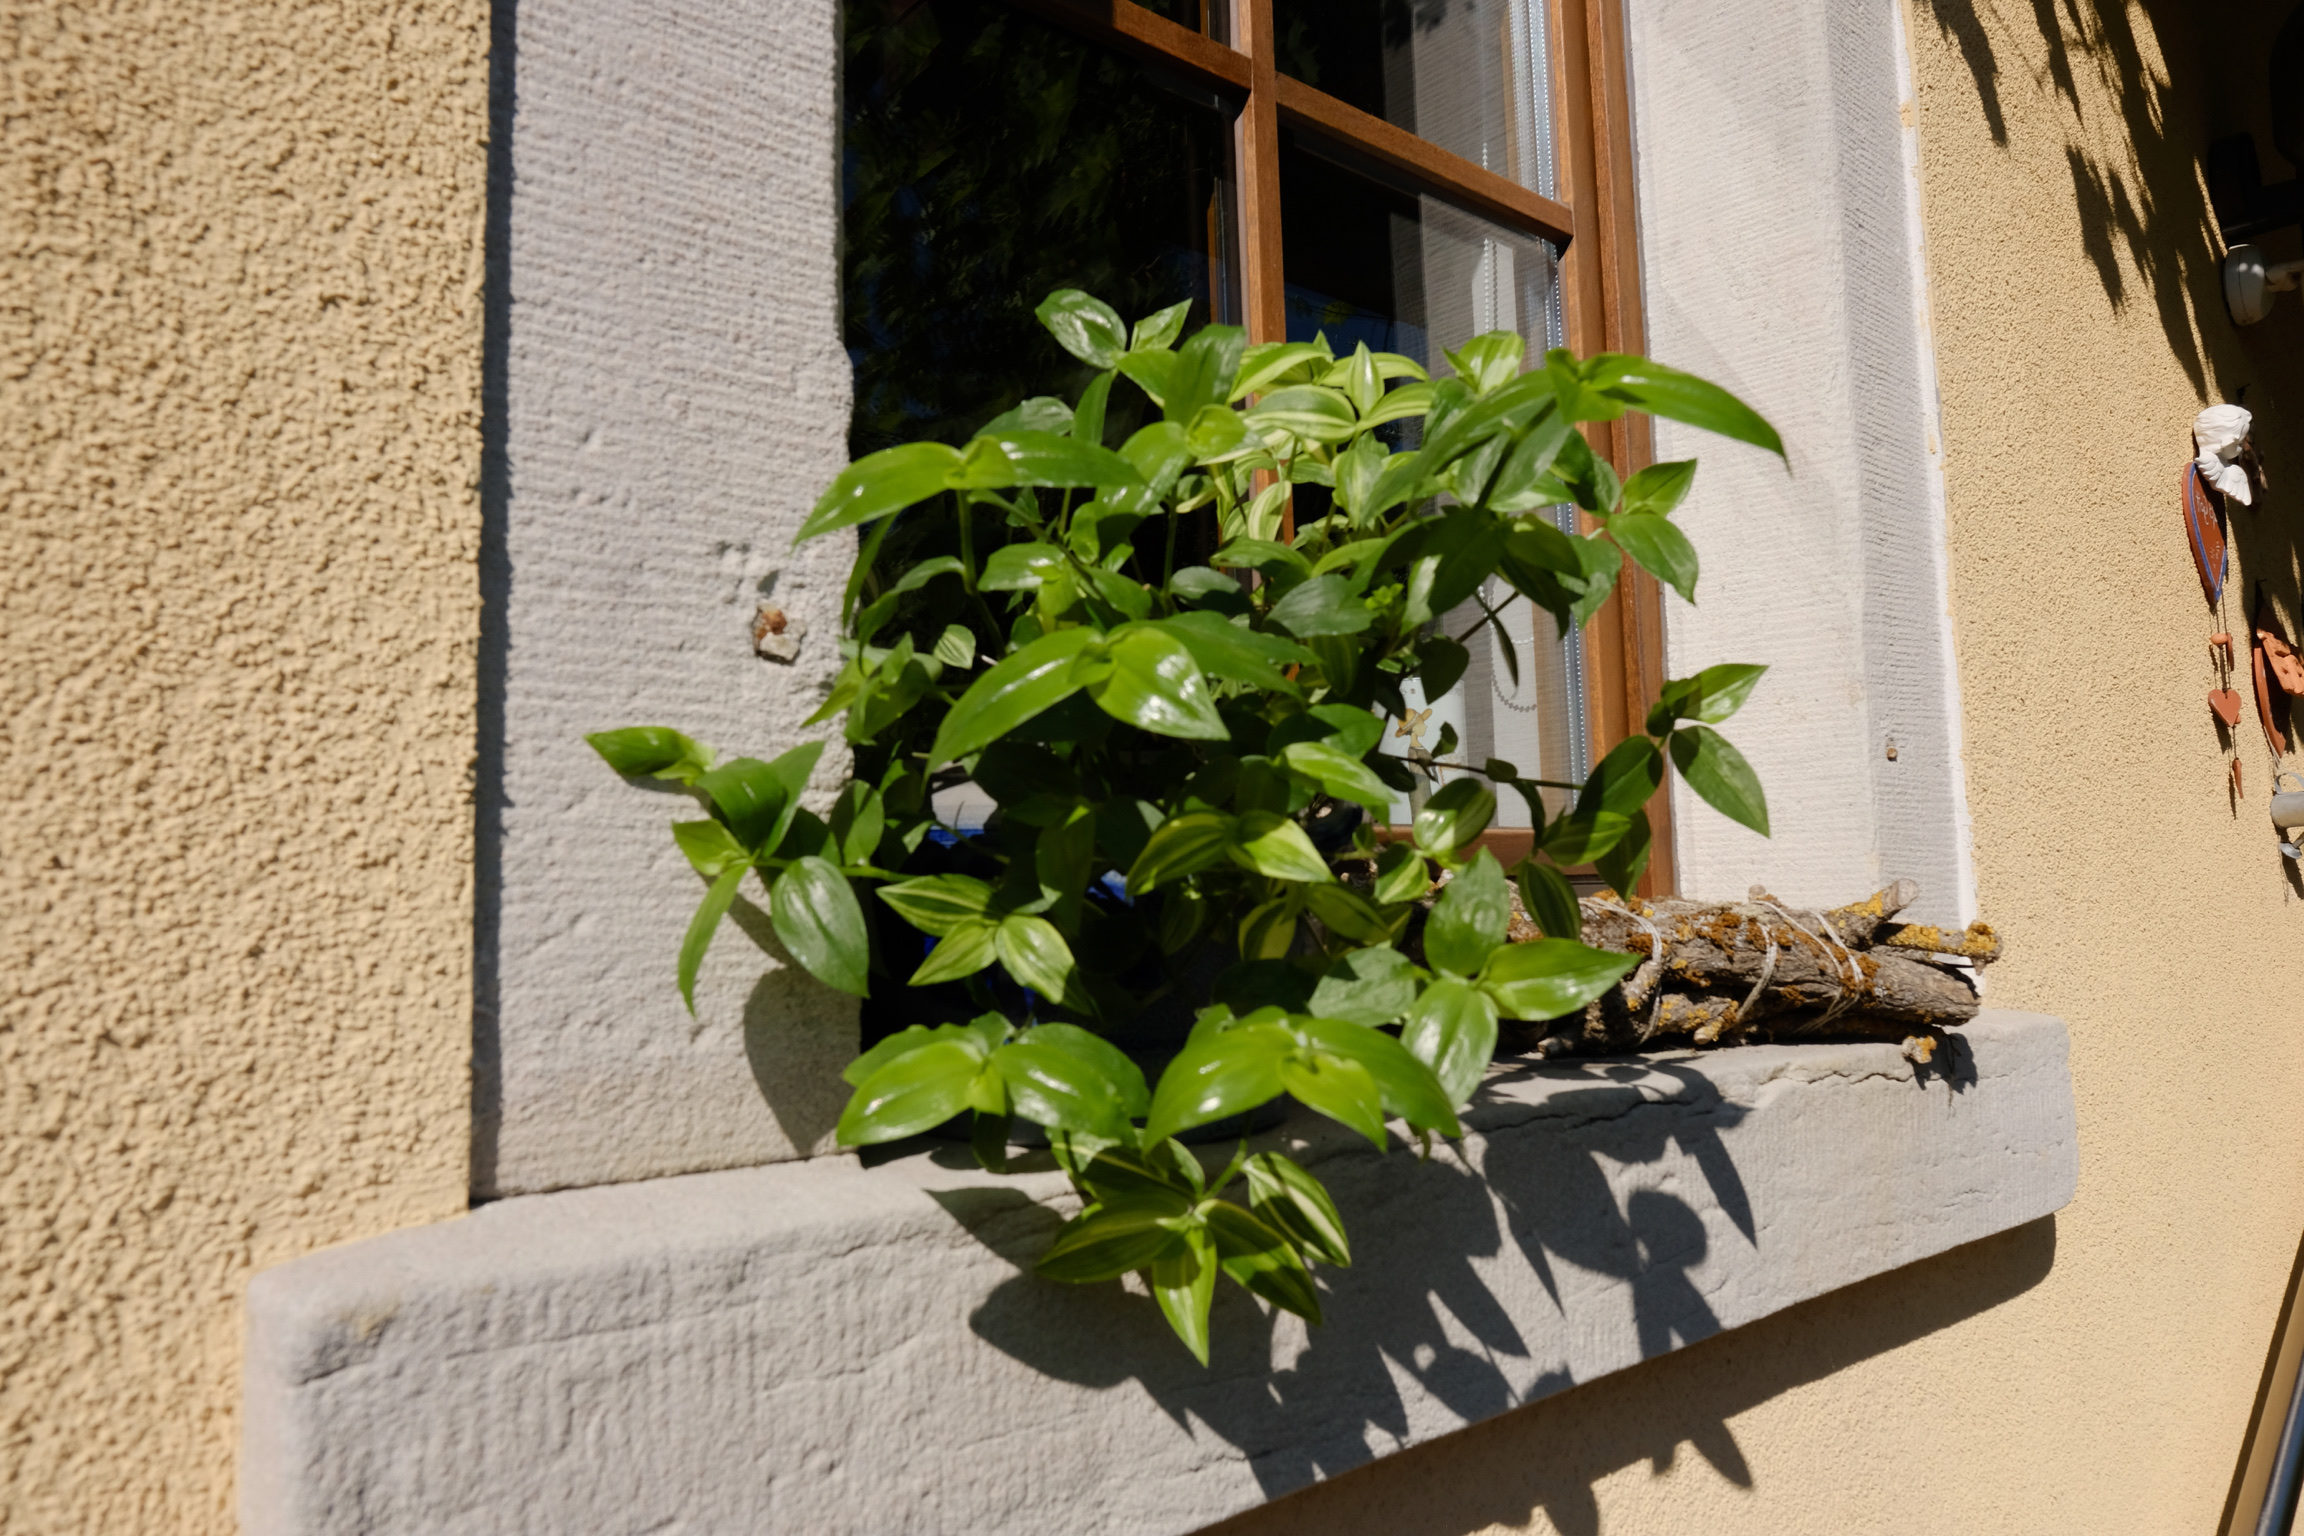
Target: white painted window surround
[
  {"x": 672, "y": 394},
  {"x": 1781, "y": 255}
]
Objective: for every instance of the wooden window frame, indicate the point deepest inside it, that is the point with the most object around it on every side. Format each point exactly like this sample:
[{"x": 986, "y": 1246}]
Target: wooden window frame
[{"x": 1593, "y": 228}]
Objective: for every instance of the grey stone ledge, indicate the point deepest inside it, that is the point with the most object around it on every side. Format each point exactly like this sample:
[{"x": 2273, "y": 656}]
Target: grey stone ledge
[{"x": 825, "y": 1347}]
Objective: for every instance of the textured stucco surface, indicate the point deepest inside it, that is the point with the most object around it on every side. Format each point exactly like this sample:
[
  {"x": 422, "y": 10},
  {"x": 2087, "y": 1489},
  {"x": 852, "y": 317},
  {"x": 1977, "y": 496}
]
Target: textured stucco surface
[
  {"x": 2100, "y": 1379},
  {"x": 675, "y": 398},
  {"x": 239, "y": 440},
  {"x": 824, "y": 1348}
]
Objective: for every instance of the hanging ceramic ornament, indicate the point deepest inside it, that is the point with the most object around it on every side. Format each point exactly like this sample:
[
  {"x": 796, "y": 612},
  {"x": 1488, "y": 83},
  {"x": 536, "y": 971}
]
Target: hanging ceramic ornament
[
  {"x": 2204, "y": 528},
  {"x": 2225, "y": 458},
  {"x": 2277, "y": 673}
]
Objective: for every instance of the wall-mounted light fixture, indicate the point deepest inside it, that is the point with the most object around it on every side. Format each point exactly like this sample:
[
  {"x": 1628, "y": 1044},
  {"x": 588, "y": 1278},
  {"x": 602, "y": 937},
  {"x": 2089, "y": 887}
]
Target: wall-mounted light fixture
[
  {"x": 2244, "y": 204},
  {"x": 2249, "y": 283}
]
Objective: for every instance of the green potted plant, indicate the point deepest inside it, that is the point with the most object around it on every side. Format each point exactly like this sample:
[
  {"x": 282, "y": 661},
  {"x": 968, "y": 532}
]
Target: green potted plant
[{"x": 1188, "y": 764}]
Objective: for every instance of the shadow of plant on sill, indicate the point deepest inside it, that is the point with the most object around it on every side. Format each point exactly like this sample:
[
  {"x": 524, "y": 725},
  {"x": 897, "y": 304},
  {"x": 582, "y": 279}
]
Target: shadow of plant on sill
[{"x": 1418, "y": 1303}]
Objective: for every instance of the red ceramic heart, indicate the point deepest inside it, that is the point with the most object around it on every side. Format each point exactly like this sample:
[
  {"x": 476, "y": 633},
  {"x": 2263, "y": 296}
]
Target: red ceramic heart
[{"x": 2226, "y": 703}]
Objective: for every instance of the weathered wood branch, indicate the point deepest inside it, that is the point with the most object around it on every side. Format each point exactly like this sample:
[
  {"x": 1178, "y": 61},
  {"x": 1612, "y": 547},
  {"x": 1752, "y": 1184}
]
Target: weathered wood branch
[{"x": 1721, "y": 973}]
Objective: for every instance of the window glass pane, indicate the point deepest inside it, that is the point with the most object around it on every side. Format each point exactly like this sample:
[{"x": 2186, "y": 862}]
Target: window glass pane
[
  {"x": 1418, "y": 276},
  {"x": 1472, "y": 76},
  {"x": 1209, "y": 18},
  {"x": 989, "y": 158}
]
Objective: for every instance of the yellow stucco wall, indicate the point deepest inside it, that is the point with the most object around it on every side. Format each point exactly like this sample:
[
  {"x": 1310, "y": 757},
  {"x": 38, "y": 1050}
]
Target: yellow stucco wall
[
  {"x": 2096, "y": 1372},
  {"x": 240, "y": 263}
]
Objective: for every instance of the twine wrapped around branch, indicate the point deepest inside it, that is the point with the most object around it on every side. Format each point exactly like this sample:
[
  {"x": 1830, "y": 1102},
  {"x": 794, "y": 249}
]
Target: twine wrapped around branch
[{"x": 1728, "y": 973}]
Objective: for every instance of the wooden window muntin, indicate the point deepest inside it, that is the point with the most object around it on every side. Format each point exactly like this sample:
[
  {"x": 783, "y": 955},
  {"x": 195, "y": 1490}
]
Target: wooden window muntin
[{"x": 1591, "y": 225}]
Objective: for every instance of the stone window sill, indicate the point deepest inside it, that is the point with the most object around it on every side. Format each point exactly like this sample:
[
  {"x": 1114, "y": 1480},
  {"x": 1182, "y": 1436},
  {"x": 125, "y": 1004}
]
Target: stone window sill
[{"x": 823, "y": 1347}]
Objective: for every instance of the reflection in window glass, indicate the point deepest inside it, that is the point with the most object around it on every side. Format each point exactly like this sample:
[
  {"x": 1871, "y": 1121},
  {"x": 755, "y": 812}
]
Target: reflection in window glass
[
  {"x": 1209, "y": 18},
  {"x": 1418, "y": 276},
  {"x": 1472, "y": 76},
  {"x": 988, "y": 158}
]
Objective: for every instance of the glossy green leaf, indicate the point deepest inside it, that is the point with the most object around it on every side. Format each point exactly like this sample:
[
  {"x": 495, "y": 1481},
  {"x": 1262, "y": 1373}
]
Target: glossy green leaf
[
  {"x": 703, "y": 925},
  {"x": 1452, "y": 1030},
  {"x": 1325, "y": 605},
  {"x": 1151, "y": 371},
  {"x": 985, "y": 1033},
  {"x": 1023, "y": 567},
  {"x": 1261, "y": 1259},
  {"x": 1470, "y": 917},
  {"x": 1205, "y": 366},
  {"x": 1401, "y": 404},
  {"x": 1660, "y": 487},
  {"x": 1061, "y": 1089},
  {"x": 965, "y": 948},
  {"x": 651, "y": 750},
  {"x": 1458, "y": 812},
  {"x": 1622, "y": 865},
  {"x": 709, "y": 847},
  {"x": 817, "y": 918},
  {"x": 1180, "y": 846},
  {"x": 859, "y": 818},
  {"x": 1551, "y": 901},
  {"x": 1585, "y": 834},
  {"x": 1405, "y": 1085},
  {"x": 1161, "y": 327},
  {"x": 1667, "y": 392},
  {"x": 1660, "y": 547},
  {"x": 1338, "y": 773},
  {"x": 751, "y": 799},
  {"x": 1114, "y": 1064},
  {"x": 883, "y": 608},
  {"x": 1550, "y": 977},
  {"x": 1338, "y": 1087},
  {"x": 1108, "y": 1241},
  {"x": 1297, "y": 1204},
  {"x": 1088, "y": 415},
  {"x": 1347, "y": 914},
  {"x": 1155, "y": 685},
  {"x": 1711, "y": 696},
  {"x": 1208, "y": 589},
  {"x": 1184, "y": 1283},
  {"x": 1235, "y": 652},
  {"x": 1217, "y": 434},
  {"x": 1161, "y": 1174},
  {"x": 1273, "y": 845},
  {"x": 1086, "y": 327},
  {"x": 1349, "y": 728},
  {"x": 915, "y": 1092},
  {"x": 1401, "y": 874},
  {"x": 1272, "y": 363},
  {"x": 1525, "y": 482},
  {"x": 1219, "y": 1075},
  {"x": 1041, "y": 413},
  {"x": 1268, "y": 932},
  {"x": 1489, "y": 361},
  {"x": 1624, "y": 780},
  {"x": 1309, "y": 411},
  {"x": 1282, "y": 565},
  {"x": 1036, "y": 955},
  {"x": 1366, "y": 986},
  {"x": 1443, "y": 664},
  {"x": 1044, "y": 459},
  {"x": 938, "y": 903},
  {"x": 880, "y": 484},
  {"x": 1719, "y": 773},
  {"x": 1036, "y": 678}
]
